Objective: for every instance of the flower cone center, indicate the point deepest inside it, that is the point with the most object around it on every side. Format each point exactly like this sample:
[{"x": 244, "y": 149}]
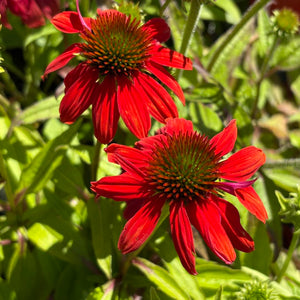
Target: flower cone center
[
  {"x": 116, "y": 44},
  {"x": 184, "y": 168}
]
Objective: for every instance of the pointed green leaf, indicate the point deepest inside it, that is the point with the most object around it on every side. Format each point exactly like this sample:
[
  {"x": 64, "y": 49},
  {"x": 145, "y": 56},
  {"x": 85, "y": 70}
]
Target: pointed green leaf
[{"x": 163, "y": 280}]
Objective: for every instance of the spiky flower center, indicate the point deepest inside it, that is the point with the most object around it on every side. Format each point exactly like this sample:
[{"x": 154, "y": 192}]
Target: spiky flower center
[
  {"x": 116, "y": 44},
  {"x": 185, "y": 168}
]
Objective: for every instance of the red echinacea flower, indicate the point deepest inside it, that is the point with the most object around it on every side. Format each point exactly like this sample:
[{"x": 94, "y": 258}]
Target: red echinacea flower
[
  {"x": 122, "y": 61},
  {"x": 32, "y": 12},
  {"x": 185, "y": 170}
]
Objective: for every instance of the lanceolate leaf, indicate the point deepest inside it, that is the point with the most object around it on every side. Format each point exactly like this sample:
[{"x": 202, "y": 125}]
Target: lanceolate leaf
[
  {"x": 161, "y": 278},
  {"x": 41, "y": 168}
]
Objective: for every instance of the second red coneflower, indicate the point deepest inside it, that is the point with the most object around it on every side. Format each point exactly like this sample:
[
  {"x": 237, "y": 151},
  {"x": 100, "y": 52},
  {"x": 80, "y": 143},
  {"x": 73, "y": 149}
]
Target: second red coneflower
[
  {"x": 184, "y": 169},
  {"x": 122, "y": 60}
]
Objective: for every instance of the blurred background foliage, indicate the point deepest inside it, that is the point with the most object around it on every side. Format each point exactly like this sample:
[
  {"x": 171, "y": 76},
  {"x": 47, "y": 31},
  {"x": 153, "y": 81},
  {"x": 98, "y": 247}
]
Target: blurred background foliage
[{"x": 57, "y": 242}]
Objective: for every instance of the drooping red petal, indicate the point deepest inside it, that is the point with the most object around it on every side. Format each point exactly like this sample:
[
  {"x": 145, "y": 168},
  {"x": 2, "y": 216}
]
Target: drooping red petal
[
  {"x": 79, "y": 96},
  {"x": 132, "y": 207},
  {"x": 69, "y": 22},
  {"x": 206, "y": 218},
  {"x": 176, "y": 125},
  {"x": 132, "y": 110},
  {"x": 238, "y": 236},
  {"x": 160, "y": 104},
  {"x": 224, "y": 141},
  {"x": 120, "y": 188},
  {"x": 134, "y": 155},
  {"x": 74, "y": 74},
  {"x": 105, "y": 110},
  {"x": 249, "y": 198},
  {"x": 28, "y": 11},
  {"x": 166, "y": 78},
  {"x": 62, "y": 59},
  {"x": 159, "y": 29},
  {"x": 243, "y": 164},
  {"x": 182, "y": 235},
  {"x": 170, "y": 58},
  {"x": 137, "y": 230},
  {"x": 48, "y": 7}
]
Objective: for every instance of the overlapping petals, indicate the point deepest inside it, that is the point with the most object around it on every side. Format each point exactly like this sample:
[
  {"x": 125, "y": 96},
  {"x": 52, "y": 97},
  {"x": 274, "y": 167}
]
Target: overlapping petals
[
  {"x": 127, "y": 88},
  {"x": 151, "y": 179}
]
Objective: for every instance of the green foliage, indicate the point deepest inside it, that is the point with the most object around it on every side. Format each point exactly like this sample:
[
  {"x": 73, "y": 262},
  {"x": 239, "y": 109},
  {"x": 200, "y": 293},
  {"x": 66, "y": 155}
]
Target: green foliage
[{"x": 58, "y": 242}]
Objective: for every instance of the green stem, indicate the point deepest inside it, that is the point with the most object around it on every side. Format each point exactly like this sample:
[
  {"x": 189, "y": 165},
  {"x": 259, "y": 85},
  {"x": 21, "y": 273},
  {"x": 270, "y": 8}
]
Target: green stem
[
  {"x": 96, "y": 161},
  {"x": 190, "y": 27},
  {"x": 7, "y": 186},
  {"x": 234, "y": 31},
  {"x": 292, "y": 162},
  {"x": 289, "y": 256},
  {"x": 131, "y": 256},
  {"x": 262, "y": 76},
  {"x": 164, "y": 7}
]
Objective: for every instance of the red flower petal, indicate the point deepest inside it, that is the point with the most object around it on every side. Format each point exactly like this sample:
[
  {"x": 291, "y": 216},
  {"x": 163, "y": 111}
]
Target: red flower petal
[
  {"x": 73, "y": 75},
  {"x": 105, "y": 110},
  {"x": 62, "y": 59},
  {"x": 3, "y": 19},
  {"x": 120, "y": 188},
  {"x": 137, "y": 230},
  {"x": 135, "y": 156},
  {"x": 170, "y": 58},
  {"x": 69, "y": 22},
  {"x": 159, "y": 29},
  {"x": 225, "y": 140},
  {"x": 182, "y": 235},
  {"x": 176, "y": 125},
  {"x": 48, "y": 7},
  {"x": 166, "y": 78},
  {"x": 150, "y": 143},
  {"x": 238, "y": 236},
  {"x": 132, "y": 207},
  {"x": 29, "y": 12},
  {"x": 132, "y": 110},
  {"x": 249, "y": 198},
  {"x": 160, "y": 104},
  {"x": 243, "y": 164},
  {"x": 206, "y": 218},
  {"x": 79, "y": 96}
]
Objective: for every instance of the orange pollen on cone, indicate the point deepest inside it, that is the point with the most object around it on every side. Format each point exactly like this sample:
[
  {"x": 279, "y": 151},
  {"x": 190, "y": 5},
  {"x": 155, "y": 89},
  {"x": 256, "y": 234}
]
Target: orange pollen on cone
[
  {"x": 185, "y": 168},
  {"x": 116, "y": 44}
]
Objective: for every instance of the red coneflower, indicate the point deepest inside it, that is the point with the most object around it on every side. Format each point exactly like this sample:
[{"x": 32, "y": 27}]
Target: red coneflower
[
  {"x": 32, "y": 12},
  {"x": 121, "y": 59},
  {"x": 184, "y": 169}
]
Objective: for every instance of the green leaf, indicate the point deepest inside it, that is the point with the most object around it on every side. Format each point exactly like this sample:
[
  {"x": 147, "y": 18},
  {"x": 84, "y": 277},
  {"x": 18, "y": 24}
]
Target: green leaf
[
  {"x": 40, "y": 111},
  {"x": 99, "y": 214},
  {"x": 287, "y": 55},
  {"x": 205, "y": 118},
  {"x": 36, "y": 34},
  {"x": 161, "y": 278},
  {"x": 43, "y": 236},
  {"x": 40, "y": 170},
  {"x": 262, "y": 249},
  {"x": 184, "y": 280}
]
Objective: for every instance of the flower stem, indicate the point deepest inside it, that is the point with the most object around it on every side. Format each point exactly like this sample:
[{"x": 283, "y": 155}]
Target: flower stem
[
  {"x": 96, "y": 161},
  {"x": 289, "y": 256},
  {"x": 234, "y": 31},
  {"x": 164, "y": 7},
  {"x": 263, "y": 72},
  {"x": 131, "y": 256},
  {"x": 292, "y": 162},
  {"x": 190, "y": 27}
]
